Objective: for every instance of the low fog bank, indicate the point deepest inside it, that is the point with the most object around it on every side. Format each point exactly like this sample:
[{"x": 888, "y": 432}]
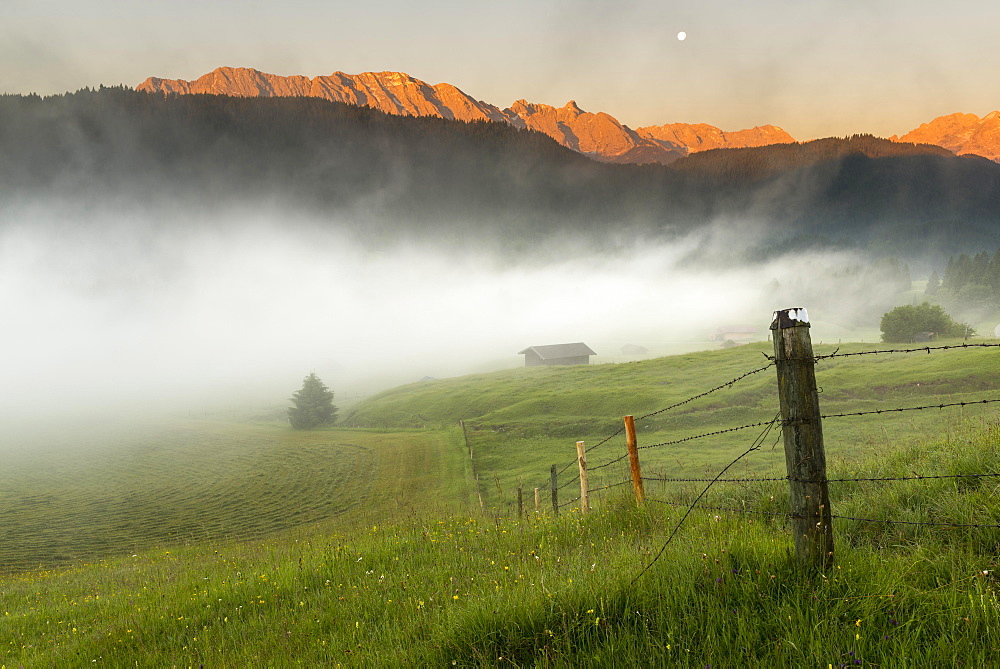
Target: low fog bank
[{"x": 112, "y": 313}]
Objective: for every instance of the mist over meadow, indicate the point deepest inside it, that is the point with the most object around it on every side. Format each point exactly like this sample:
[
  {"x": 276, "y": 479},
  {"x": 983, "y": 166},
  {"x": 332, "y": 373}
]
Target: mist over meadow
[
  {"x": 119, "y": 310},
  {"x": 168, "y": 253}
]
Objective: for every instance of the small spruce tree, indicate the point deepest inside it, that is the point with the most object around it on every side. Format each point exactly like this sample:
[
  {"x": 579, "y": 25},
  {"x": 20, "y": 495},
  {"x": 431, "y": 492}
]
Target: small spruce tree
[{"x": 313, "y": 405}]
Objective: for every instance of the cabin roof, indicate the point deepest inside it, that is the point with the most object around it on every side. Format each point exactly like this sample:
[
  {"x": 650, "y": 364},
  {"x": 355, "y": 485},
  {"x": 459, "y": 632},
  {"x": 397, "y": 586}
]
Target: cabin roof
[{"x": 555, "y": 351}]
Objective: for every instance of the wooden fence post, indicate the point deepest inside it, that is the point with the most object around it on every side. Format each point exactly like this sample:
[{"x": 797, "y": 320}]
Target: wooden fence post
[
  {"x": 633, "y": 460},
  {"x": 482, "y": 506},
  {"x": 802, "y": 428},
  {"x": 520, "y": 501},
  {"x": 553, "y": 483},
  {"x": 472, "y": 460},
  {"x": 538, "y": 500},
  {"x": 581, "y": 456}
]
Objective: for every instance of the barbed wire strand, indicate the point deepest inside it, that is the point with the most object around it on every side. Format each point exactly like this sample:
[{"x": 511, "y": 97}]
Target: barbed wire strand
[
  {"x": 570, "y": 482},
  {"x": 605, "y": 440},
  {"x": 741, "y": 480},
  {"x": 771, "y": 359},
  {"x": 920, "y": 408},
  {"x": 911, "y": 522},
  {"x": 608, "y": 463},
  {"x": 835, "y": 516},
  {"x": 921, "y": 349},
  {"x": 915, "y": 477},
  {"x": 608, "y": 486},
  {"x": 722, "y": 508},
  {"x": 727, "y": 384},
  {"x": 753, "y": 447},
  {"x": 707, "y": 434},
  {"x": 575, "y": 499},
  {"x": 568, "y": 465}
]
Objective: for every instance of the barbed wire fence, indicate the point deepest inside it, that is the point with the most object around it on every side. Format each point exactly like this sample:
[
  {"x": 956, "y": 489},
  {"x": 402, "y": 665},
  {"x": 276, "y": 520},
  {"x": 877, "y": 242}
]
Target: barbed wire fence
[
  {"x": 622, "y": 476},
  {"x": 617, "y": 471}
]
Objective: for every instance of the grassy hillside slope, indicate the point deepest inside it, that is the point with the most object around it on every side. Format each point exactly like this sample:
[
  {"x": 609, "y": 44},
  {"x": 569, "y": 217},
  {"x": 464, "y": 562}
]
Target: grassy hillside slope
[
  {"x": 471, "y": 591},
  {"x": 400, "y": 578},
  {"x": 521, "y": 421},
  {"x": 84, "y": 495}
]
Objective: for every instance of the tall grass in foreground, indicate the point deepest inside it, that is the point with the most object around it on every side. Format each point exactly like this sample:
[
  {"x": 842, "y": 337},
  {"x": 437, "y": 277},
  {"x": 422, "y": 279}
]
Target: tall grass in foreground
[{"x": 545, "y": 591}]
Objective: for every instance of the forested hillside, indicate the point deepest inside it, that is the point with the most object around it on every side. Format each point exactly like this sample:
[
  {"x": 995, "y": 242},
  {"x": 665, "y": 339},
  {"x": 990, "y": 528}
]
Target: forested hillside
[
  {"x": 969, "y": 287},
  {"x": 755, "y": 164},
  {"x": 398, "y": 176}
]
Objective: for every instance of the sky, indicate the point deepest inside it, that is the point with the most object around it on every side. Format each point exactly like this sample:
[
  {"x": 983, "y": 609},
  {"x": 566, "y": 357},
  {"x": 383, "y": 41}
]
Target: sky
[
  {"x": 816, "y": 68},
  {"x": 106, "y": 311}
]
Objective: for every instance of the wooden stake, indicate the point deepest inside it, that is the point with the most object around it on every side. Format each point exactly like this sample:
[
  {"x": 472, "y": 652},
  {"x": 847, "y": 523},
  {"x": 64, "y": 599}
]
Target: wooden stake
[
  {"x": 538, "y": 501},
  {"x": 472, "y": 461},
  {"x": 482, "y": 507},
  {"x": 802, "y": 428},
  {"x": 581, "y": 456},
  {"x": 520, "y": 501},
  {"x": 633, "y": 460},
  {"x": 553, "y": 483}
]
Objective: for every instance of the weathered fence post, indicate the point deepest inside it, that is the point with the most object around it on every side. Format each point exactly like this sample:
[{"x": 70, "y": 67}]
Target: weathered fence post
[
  {"x": 581, "y": 456},
  {"x": 482, "y": 506},
  {"x": 802, "y": 428},
  {"x": 520, "y": 501},
  {"x": 633, "y": 459},
  {"x": 538, "y": 500},
  {"x": 472, "y": 461},
  {"x": 553, "y": 483}
]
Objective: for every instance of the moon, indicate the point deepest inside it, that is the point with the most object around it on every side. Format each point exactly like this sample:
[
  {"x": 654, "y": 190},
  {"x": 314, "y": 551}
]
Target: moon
[{"x": 682, "y": 35}]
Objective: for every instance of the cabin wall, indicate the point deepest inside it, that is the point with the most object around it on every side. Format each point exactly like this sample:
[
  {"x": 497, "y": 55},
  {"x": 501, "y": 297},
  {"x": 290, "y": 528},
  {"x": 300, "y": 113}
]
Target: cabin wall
[
  {"x": 578, "y": 360},
  {"x": 532, "y": 359}
]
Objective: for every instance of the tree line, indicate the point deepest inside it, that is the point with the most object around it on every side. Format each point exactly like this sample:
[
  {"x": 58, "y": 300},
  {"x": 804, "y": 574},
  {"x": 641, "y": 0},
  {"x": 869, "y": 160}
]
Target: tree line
[
  {"x": 971, "y": 283},
  {"x": 392, "y": 176}
]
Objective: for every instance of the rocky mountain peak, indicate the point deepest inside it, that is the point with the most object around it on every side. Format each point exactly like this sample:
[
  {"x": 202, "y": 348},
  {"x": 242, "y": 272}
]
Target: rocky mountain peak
[
  {"x": 598, "y": 135},
  {"x": 960, "y": 133}
]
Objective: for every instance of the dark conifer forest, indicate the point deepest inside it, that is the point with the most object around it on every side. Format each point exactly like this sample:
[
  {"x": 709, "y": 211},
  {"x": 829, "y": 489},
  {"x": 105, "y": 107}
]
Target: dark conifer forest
[{"x": 400, "y": 177}]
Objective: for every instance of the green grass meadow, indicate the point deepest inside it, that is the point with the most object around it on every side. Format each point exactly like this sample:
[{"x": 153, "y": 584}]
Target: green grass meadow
[
  {"x": 119, "y": 491},
  {"x": 243, "y": 543}
]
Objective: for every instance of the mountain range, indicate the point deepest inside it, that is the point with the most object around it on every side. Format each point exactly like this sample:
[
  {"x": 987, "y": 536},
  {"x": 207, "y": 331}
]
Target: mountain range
[
  {"x": 598, "y": 135},
  {"x": 388, "y": 178}
]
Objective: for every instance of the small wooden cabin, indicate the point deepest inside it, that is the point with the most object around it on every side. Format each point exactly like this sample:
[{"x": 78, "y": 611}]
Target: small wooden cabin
[
  {"x": 740, "y": 334},
  {"x": 557, "y": 354}
]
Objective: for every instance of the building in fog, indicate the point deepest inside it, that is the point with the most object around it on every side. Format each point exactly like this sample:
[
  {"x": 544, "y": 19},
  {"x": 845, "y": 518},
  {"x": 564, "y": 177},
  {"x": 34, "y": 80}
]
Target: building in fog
[
  {"x": 557, "y": 354},
  {"x": 739, "y": 334},
  {"x": 634, "y": 349}
]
